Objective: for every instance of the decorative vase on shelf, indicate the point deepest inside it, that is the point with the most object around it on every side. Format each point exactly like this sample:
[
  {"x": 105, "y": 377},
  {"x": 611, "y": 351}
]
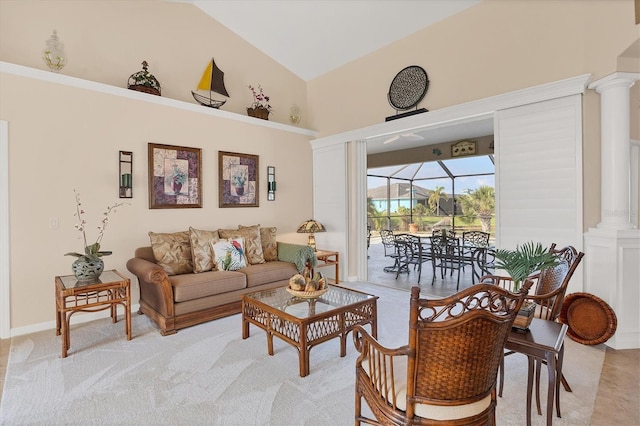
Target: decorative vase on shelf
[{"x": 86, "y": 269}]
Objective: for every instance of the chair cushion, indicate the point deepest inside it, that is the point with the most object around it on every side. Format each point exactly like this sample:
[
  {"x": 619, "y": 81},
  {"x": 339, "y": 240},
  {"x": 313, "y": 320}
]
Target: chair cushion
[{"x": 428, "y": 411}]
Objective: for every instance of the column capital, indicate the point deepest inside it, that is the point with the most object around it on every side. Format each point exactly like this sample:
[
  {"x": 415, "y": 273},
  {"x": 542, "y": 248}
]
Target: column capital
[{"x": 626, "y": 79}]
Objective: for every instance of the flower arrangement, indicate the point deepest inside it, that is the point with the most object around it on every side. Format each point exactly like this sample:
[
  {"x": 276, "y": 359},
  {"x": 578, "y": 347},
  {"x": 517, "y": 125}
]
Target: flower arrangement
[
  {"x": 91, "y": 251},
  {"x": 260, "y": 100}
]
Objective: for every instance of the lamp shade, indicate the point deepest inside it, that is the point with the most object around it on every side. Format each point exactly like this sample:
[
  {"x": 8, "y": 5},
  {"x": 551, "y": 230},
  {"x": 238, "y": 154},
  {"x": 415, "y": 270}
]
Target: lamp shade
[{"x": 311, "y": 226}]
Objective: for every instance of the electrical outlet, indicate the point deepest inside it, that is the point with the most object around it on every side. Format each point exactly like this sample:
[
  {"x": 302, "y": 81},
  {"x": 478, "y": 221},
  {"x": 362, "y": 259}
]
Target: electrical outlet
[{"x": 53, "y": 223}]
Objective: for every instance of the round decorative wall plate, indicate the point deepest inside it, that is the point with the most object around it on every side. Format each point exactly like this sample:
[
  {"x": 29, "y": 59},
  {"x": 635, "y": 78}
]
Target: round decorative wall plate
[
  {"x": 590, "y": 319},
  {"x": 408, "y": 88}
]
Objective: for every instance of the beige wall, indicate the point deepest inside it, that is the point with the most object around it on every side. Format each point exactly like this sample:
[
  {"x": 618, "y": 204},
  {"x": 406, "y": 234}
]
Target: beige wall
[
  {"x": 107, "y": 40},
  {"x": 63, "y": 138},
  {"x": 495, "y": 47},
  {"x": 492, "y": 48}
]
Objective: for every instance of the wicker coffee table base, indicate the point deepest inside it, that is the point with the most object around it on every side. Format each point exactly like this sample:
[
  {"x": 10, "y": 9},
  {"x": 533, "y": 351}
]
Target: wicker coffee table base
[{"x": 305, "y": 333}]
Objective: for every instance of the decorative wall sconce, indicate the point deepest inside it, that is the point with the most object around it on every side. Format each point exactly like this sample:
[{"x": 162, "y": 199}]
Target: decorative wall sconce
[
  {"x": 125, "y": 174},
  {"x": 53, "y": 54},
  {"x": 271, "y": 183}
]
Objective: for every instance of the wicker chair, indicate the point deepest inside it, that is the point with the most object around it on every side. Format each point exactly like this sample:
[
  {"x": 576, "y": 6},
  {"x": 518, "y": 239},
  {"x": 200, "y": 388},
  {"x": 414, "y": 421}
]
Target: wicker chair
[
  {"x": 447, "y": 372},
  {"x": 549, "y": 290}
]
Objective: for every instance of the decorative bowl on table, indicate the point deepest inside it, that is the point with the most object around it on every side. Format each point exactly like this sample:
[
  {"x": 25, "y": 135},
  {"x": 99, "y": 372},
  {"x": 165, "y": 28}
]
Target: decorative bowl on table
[
  {"x": 307, "y": 294},
  {"x": 307, "y": 288}
]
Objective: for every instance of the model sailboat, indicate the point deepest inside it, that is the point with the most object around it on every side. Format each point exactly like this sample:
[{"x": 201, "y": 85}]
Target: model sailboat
[{"x": 212, "y": 81}]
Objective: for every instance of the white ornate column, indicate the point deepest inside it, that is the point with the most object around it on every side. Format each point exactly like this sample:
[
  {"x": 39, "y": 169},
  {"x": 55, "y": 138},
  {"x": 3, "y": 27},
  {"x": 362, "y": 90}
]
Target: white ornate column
[
  {"x": 614, "y": 151},
  {"x": 612, "y": 249}
]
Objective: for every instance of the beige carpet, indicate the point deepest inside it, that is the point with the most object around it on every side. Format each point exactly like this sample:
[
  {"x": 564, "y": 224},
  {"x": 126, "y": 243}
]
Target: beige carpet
[{"x": 208, "y": 375}]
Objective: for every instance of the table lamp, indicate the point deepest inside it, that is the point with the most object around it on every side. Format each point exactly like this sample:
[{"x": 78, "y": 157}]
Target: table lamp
[{"x": 309, "y": 227}]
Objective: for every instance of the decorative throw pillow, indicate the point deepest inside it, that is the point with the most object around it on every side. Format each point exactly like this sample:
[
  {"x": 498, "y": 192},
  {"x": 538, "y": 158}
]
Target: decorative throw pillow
[
  {"x": 201, "y": 251},
  {"x": 268, "y": 242},
  {"x": 229, "y": 254},
  {"x": 252, "y": 244},
  {"x": 172, "y": 252}
]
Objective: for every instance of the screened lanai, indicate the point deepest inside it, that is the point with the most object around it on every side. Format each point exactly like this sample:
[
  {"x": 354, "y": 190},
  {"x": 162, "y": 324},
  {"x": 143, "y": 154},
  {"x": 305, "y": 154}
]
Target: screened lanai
[{"x": 425, "y": 194}]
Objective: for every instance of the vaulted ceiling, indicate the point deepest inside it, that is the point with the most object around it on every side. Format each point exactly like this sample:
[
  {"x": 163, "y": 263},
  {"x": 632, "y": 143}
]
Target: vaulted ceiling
[{"x": 311, "y": 38}]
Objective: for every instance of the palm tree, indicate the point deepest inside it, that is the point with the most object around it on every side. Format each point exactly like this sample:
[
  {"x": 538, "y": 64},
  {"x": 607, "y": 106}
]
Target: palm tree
[
  {"x": 480, "y": 202},
  {"x": 434, "y": 199},
  {"x": 374, "y": 215}
]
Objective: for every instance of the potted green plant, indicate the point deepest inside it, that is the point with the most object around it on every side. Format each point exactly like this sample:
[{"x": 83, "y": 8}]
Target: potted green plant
[{"x": 520, "y": 264}]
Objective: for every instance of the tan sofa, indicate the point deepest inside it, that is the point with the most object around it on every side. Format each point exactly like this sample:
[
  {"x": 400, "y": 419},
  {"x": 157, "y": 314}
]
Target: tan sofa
[{"x": 179, "y": 300}]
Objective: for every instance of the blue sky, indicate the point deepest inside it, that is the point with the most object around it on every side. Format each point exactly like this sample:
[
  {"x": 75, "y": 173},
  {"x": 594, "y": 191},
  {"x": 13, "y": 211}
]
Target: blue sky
[{"x": 430, "y": 175}]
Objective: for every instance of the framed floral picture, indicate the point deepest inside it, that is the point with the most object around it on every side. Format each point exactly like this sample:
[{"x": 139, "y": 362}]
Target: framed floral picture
[
  {"x": 175, "y": 177},
  {"x": 237, "y": 180}
]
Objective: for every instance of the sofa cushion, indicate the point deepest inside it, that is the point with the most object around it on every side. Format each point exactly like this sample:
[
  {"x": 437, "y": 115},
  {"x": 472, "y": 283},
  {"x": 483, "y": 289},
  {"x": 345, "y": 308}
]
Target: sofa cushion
[
  {"x": 268, "y": 242},
  {"x": 172, "y": 251},
  {"x": 201, "y": 249},
  {"x": 194, "y": 286},
  {"x": 252, "y": 242},
  {"x": 229, "y": 254},
  {"x": 268, "y": 272}
]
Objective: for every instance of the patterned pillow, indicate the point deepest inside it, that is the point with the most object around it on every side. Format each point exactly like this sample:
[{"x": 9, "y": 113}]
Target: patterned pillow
[
  {"x": 201, "y": 251},
  {"x": 172, "y": 252},
  {"x": 252, "y": 243},
  {"x": 229, "y": 254},
  {"x": 268, "y": 242}
]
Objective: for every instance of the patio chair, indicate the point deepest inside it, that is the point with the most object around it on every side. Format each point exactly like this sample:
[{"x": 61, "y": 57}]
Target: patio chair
[
  {"x": 388, "y": 242},
  {"x": 410, "y": 251},
  {"x": 446, "y": 374},
  {"x": 447, "y": 256}
]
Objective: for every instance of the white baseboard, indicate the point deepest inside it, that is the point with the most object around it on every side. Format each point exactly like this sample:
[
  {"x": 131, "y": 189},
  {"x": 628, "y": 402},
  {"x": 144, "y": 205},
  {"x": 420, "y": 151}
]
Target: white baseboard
[{"x": 78, "y": 318}]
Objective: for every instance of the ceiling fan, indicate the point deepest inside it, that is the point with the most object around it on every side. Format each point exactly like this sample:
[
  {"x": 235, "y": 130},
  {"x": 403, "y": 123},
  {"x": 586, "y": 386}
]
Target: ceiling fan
[{"x": 405, "y": 136}]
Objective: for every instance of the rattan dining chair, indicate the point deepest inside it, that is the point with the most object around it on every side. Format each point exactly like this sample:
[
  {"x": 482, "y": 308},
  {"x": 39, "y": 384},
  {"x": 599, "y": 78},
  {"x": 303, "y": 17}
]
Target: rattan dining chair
[
  {"x": 549, "y": 290},
  {"x": 446, "y": 374}
]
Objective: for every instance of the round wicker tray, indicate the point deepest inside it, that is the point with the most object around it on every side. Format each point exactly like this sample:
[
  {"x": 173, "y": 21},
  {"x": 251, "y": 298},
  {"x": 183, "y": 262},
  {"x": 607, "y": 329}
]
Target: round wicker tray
[
  {"x": 308, "y": 294},
  {"x": 590, "y": 319}
]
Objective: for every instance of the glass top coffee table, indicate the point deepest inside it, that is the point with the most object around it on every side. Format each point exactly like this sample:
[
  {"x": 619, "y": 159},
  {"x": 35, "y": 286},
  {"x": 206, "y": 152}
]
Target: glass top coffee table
[{"x": 304, "y": 323}]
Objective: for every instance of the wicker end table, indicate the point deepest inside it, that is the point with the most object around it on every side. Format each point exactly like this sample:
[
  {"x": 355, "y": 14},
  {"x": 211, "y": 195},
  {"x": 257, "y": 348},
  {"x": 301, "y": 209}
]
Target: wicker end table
[{"x": 107, "y": 292}]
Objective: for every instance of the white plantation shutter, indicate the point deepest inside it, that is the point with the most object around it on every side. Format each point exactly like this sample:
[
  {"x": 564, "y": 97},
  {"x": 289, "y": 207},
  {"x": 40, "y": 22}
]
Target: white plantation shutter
[
  {"x": 539, "y": 174},
  {"x": 330, "y": 189}
]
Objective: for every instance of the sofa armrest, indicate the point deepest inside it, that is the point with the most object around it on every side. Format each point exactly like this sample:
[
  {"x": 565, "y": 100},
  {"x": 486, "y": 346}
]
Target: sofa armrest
[
  {"x": 155, "y": 287},
  {"x": 298, "y": 254}
]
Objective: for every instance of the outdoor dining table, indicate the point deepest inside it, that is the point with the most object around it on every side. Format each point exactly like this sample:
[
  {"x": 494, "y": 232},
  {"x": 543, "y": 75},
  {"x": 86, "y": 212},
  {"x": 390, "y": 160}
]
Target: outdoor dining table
[{"x": 457, "y": 252}]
